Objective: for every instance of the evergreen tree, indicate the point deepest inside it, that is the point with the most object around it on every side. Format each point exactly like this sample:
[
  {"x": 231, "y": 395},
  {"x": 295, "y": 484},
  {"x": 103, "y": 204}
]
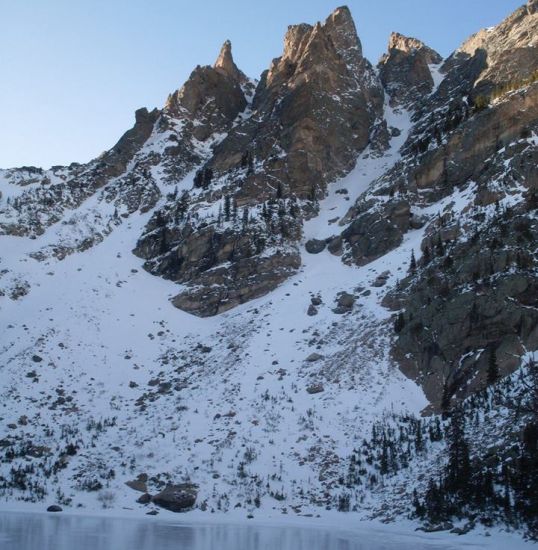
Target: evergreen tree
[
  {"x": 234, "y": 209},
  {"x": 458, "y": 470},
  {"x": 493, "y": 368},
  {"x": 399, "y": 324},
  {"x": 412, "y": 263},
  {"x": 313, "y": 195},
  {"x": 227, "y": 208},
  {"x": 244, "y": 220},
  {"x": 419, "y": 442},
  {"x": 208, "y": 176},
  {"x": 435, "y": 506}
]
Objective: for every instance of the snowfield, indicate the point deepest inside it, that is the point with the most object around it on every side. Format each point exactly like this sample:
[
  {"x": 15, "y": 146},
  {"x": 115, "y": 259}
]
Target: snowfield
[
  {"x": 187, "y": 398},
  {"x": 102, "y": 379}
]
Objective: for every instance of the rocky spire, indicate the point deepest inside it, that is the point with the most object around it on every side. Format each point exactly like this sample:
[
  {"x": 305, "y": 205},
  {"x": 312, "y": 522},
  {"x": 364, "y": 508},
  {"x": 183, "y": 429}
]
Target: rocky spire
[
  {"x": 405, "y": 71},
  {"x": 222, "y": 84},
  {"x": 341, "y": 28},
  {"x": 408, "y": 44},
  {"x": 225, "y": 63}
]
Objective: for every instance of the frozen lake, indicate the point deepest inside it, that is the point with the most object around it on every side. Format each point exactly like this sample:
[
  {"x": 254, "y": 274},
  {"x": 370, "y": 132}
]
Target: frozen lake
[{"x": 63, "y": 532}]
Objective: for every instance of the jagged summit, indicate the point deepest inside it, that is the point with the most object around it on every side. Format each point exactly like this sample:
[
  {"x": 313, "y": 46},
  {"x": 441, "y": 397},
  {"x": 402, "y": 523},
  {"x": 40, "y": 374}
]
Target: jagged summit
[
  {"x": 408, "y": 44},
  {"x": 405, "y": 69},
  {"x": 315, "y": 110},
  {"x": 341, "y": 28},
  {"x": 309, "y": 43},
  {"x": 225, "y": 63},
  {"x": 337, "y": 242},
  {"x": 212, "y": 96},
  {"x": 495, "y": 57}
]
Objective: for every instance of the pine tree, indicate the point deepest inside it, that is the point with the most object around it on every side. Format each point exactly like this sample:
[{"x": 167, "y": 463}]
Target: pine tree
[
  {"x": 234, "y": 209},
  {"x": 293, "y": 209},
  {"x": 198, "y": 178},
  {"x": 458, "y": 470},
  {"x": 399, "y": 324},
  {"x": 493, "y": 368},
  {"x": 208, "y": 176},
  {"x": 419, "y": 442},
  {"x": 227, "y": 208},
  {"x": 313, "y": 194},
  {"x": 412, "y": 263},
  {"x": 435, "y": 506},
  {"x": 266, "y": 213},
  {"x": 245, "y": 217}
]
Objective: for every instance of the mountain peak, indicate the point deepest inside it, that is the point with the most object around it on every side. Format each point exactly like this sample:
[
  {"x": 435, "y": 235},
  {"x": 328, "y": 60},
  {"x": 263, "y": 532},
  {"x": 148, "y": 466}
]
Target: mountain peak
[
  {"x": 405, "y": 71},
  {"x": 532, "y": 7},
  {"x": 225, "y": 63},
  {"x": 342, "y": 17},
  {"x": 341, "y": 27},
  {"x": 408, "y": 44}
]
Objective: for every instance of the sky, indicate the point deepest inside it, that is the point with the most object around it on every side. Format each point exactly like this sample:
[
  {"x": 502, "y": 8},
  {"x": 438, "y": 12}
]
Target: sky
[{"x": 74, "y": 71}]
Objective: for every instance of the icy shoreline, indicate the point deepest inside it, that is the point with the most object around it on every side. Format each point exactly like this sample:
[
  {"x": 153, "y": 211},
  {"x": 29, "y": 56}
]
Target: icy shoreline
[{"x": 350, "y": 525}]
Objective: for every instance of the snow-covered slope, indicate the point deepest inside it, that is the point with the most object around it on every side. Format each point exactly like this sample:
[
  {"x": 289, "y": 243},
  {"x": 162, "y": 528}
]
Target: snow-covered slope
[
  {"x": 179, "y": 397},
  {"x": 290, "y": 396}
]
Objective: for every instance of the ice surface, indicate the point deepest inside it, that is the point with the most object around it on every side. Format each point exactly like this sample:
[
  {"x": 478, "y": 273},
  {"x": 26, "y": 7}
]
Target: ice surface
[{"x": 59, "y": 532}]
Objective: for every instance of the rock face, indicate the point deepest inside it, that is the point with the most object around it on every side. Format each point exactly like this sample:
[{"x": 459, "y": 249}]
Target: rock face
[
  {"x": 47, "y": 195},
  {"x": 473, "y": 291},
  {"x": 313, "y": 111},
  {"x": 211, "y": 98},
  {"x": 479, "y": 302},
  {"x": 177, "y": 498},
  {"x": 262, "y": 154},
  {"x": 375, "y": 230},
  {"x": 115, "y": 161},
  {"x": 405, "y": 69},
  {"x": 222, "y": 288},
  {"x": 494, "y": 57},
  {"x": 443, "y": 237}
]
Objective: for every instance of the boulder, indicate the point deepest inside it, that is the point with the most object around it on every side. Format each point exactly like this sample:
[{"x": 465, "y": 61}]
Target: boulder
[
  {"x": 437, "y": 527},
  {"x": 345, "y": 302},
  {"x": 381, "y": 280},
  {"x": 177, "y": 498},
  {"x": 54, "y": 508},
  {"x": 144, "y": 499},
  {"x": 138, "y": 484},
  {"x": 374, "y": 231},
  {"x": 315, "y": 246}
]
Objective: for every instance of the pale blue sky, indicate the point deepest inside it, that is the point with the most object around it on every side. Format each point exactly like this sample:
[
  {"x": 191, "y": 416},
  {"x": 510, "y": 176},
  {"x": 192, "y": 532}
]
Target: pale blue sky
[{"x": 73, "y": 71}]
